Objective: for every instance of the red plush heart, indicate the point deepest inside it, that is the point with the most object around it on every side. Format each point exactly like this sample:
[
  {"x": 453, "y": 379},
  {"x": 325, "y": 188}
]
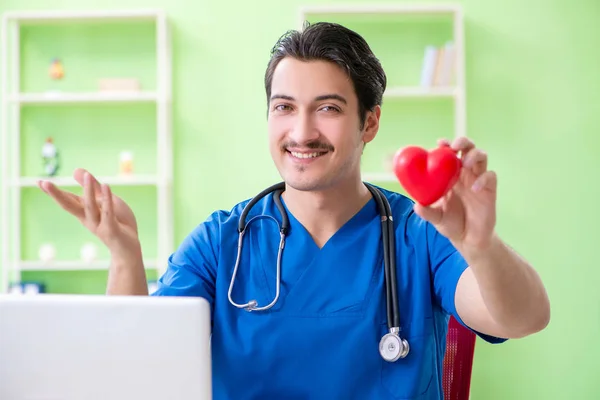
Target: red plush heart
[{"x": 427, "y": 175}]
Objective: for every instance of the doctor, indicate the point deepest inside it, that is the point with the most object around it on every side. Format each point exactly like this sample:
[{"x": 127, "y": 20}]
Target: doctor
[{"x": 321, "y": 338}]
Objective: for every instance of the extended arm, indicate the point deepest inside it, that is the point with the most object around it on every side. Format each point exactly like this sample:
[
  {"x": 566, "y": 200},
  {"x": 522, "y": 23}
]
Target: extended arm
[
  {"x": 500, "y": 294},
  {"x": 110, "y": 219}
]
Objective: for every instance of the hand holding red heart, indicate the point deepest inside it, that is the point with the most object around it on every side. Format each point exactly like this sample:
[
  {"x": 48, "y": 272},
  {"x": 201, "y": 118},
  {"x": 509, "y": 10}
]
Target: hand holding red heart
[{"x": 459, "y": 197}]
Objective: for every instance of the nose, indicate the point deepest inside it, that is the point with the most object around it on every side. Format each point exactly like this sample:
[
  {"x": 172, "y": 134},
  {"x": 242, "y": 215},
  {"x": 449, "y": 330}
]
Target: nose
[{"x": 303, "y": 129}]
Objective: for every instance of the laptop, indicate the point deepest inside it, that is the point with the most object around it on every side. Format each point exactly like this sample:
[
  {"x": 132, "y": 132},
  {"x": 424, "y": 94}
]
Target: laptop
[{"x": 92, "y": 347}]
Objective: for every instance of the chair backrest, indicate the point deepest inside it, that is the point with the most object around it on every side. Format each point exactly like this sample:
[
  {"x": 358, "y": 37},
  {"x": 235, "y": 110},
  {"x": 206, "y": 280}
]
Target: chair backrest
[{"x": 458, "y": 361}]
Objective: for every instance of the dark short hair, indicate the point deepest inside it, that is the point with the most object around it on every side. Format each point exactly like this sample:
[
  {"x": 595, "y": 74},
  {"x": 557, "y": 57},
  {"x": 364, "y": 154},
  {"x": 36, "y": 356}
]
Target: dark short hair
[{"x": 334, "y": 43}]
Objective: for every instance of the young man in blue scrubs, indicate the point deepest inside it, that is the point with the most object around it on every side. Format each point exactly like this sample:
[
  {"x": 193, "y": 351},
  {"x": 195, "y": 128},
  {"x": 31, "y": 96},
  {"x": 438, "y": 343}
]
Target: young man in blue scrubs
[{"x": 320, "y": 340}]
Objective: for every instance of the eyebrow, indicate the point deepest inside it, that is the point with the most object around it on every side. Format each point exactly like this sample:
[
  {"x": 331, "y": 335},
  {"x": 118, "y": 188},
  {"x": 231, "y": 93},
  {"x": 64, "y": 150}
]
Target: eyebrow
[{"x": 331, "y": 96}]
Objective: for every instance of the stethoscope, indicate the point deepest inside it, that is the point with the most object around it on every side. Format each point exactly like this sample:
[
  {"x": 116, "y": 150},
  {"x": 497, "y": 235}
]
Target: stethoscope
[{"x": 391, "y": 346}]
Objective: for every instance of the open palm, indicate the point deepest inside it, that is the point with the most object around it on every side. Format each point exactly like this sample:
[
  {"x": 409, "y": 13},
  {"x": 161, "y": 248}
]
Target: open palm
[{"x": 104, "y": 214}]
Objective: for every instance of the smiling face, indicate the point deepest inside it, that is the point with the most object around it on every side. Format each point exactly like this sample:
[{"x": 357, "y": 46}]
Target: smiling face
[{"x": 315, "y": 133}]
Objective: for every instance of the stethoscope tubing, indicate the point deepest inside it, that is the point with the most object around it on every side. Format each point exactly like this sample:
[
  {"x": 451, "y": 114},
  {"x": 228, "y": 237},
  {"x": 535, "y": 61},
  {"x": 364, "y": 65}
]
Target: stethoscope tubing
[{"x": 398, "y": 346}]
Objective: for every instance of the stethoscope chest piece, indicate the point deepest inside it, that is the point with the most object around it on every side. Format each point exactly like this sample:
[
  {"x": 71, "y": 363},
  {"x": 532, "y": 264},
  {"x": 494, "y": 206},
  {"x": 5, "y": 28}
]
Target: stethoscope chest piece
[{"x": 392, "y": 347}]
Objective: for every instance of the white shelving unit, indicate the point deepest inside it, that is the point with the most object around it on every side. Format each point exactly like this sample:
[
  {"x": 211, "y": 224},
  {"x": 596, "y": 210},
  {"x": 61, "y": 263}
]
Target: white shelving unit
[
  {"x": 72, "y": 265},
  {"x": 455, "y": 92},
  {"x": 78, "y": 98},
  {"x": 125, "y": 180},
  {"x": 13, "y": 100}
]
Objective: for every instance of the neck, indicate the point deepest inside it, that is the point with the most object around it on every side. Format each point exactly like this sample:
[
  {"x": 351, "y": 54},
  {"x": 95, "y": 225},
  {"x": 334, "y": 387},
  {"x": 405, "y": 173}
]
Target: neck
[{"x": 324, "y": 212}]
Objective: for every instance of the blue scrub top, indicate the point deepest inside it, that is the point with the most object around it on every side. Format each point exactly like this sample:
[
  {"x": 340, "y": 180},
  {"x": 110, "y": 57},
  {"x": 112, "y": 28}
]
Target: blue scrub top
[{"x": 321, "y": 339}]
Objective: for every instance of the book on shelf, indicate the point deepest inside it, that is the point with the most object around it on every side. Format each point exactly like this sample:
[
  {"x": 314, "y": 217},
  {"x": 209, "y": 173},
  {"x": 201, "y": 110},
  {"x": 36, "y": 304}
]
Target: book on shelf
[{"x": 438, "y": 66}]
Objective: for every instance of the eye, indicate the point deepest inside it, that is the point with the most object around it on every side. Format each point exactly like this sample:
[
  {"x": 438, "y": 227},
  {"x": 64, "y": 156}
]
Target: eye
[
  {"x": 282, "y": 107},
  {"x": 330, "y": 109}
]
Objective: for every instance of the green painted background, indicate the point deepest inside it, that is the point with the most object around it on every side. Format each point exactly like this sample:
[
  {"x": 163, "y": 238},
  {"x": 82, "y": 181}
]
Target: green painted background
[{"x": 533, "y": 103}]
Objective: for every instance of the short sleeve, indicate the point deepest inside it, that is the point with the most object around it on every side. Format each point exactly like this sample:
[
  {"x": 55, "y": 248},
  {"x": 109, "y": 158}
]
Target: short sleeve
[
  {"x": 192, "y": 268},
  {"x": 447, "y": 265}
]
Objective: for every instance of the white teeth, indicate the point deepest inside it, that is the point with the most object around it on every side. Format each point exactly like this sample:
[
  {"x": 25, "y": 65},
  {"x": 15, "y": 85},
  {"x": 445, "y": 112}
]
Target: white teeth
[{"x": 305, "y": 155}]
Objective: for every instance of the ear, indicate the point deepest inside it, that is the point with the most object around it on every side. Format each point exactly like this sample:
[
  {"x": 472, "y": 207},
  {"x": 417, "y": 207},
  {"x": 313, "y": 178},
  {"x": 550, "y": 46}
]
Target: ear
[{"x": 371, "y": 124}]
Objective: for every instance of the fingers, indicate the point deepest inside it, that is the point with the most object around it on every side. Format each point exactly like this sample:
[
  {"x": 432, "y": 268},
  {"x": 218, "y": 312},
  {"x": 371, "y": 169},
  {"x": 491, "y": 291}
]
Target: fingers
[
  {"x": 68, "y": 201},
  {"x": 462, "y": 144},
  {"x": 443, "y": 142},
  {"x": 92, "y": 196},
  {"x": 486, "y": 181},
  {"x": 92, "y": 212},
  {"x": 94, "y": 209},
  {"x": 108, "y": 214},
  {"x": 472, "y": 158},
  {"x": 476, "y": 160},
  {"x": 79, "y": 175}
]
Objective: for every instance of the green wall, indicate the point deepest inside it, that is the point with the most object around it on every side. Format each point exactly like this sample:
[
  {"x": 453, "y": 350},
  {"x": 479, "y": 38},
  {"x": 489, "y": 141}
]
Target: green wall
[{"x": 533, "y": 103}]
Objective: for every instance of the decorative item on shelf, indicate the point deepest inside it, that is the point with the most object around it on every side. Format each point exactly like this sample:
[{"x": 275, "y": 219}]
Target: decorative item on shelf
[
  {"x": 119, "y": 85},
  {"x": 89, "y": 252},
  {"x": 50, "y": 158},
  {"x": 28, "y": 288},
  {"x": 32, "y": 288},
  {"x": 126, "y": 163},
  {"x": 47, "y": 253},
  {"x": 15, "y": 288},
  {"x": 438, "y": 68},
  {"x": 57, "y": 70}
]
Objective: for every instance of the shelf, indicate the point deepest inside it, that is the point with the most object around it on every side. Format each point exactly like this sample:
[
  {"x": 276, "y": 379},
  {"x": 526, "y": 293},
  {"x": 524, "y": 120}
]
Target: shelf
[
  {"x": 382, "y": 9},
  {"x": 71, "y": 265},
  {"x": 18, "y": 92},
  {"x": 379, "y": 177},
  {"x": 133, "y": 180},
  {"x": 418, "y": 91},
  {"x": 91, "y": 97},
  {"x": 55, "y": 16}
]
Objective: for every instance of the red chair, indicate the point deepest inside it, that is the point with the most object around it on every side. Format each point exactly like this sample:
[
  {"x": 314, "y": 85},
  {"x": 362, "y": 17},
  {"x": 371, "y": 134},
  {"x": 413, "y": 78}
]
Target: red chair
[{"x": 458, "y": 361}]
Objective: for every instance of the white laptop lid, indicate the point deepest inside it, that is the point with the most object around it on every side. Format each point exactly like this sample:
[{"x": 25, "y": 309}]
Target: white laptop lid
[{"x": 80, "y": 347}]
